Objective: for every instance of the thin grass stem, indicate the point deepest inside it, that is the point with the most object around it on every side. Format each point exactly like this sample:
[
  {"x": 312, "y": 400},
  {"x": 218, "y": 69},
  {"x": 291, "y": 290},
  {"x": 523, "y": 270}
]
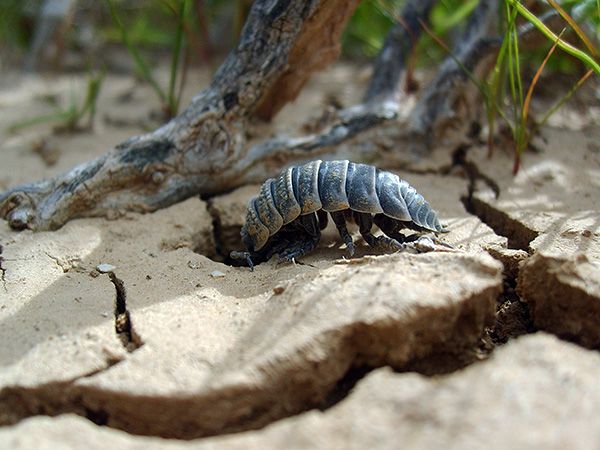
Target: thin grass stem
[
  {"x": 573, "y": 51},
  {"x": 575, "y": 27}
]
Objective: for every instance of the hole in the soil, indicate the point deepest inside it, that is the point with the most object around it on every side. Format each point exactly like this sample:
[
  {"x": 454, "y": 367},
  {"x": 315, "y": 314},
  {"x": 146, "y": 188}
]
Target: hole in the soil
[
  {"x": 513, "y": 318},
  {"x": 344, "y": 386},
  {"x": 98, "y": 417},
  {"x": 226, "y": 238}
]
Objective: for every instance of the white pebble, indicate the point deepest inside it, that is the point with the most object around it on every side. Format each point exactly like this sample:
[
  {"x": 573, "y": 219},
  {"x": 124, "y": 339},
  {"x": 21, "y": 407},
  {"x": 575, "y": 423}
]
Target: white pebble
[
  {"x": 217, "y": 274},
  {"x": 103, "y": 268}
]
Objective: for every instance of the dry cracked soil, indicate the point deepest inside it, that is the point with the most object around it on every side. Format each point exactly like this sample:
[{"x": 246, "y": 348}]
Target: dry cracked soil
[{"x": 132, "y": 332}]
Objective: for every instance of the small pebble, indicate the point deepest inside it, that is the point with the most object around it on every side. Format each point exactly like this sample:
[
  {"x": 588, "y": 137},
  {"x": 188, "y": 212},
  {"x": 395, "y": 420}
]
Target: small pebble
[
  {"x": 104, "y": 268},
  {"x": 217, "y": 274}
]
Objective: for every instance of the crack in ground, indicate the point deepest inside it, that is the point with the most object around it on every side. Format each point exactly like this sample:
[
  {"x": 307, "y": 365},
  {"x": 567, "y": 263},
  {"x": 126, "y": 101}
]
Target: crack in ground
[
  {"x": 56, "y": 261},
  {"x": 65, "y": 265},
  {"x": 519, "y": 235},
  {"x": 459, "y": 158},
  {"x": 64, "y": 397},
  {"x": 513, "y": 317},
  {"x": 2, "y": 269},
  {"x": 97, "y": 405},
  {"x": 123, "y": 326},
  {"x": 50, "y": 399}
]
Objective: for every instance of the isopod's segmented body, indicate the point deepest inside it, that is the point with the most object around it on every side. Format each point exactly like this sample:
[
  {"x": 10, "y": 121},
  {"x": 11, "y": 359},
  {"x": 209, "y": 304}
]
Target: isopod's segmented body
[{"x": 282, "y": 218}]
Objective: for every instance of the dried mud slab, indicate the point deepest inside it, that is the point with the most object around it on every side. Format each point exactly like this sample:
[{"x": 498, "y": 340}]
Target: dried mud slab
[
  {"x": 552, "y": 204},
  {"x": 535, "y": 391},
  {"x": 563, "y": 294},
  {"x": 56, "y": 322},
  {"x": 289, "y": 352},
  {"x": 60, "y": 318}
]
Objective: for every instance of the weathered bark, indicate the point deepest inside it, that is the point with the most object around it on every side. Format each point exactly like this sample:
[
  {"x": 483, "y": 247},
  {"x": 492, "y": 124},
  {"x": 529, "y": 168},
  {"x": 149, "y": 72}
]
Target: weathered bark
[
  {"x": 204, "y": 150},
  {"x": 315, "y": 49}
]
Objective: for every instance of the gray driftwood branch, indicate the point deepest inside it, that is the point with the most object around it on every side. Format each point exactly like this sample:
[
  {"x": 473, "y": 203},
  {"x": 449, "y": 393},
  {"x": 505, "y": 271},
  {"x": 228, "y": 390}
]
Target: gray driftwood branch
[{"x": 204, "y": 151}]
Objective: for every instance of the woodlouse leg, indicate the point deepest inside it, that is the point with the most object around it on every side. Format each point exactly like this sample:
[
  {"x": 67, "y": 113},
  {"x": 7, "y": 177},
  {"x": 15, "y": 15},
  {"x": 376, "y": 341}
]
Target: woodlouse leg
[
  {"x": 244, "y": 257},
  {"x": 391, "y": 227},
  {"x": 339, "y": 219},
  {"x": 322, "y": 215},
  {"x": 365, "y": 223},
  {"x": 274, "y": 245},
  {"x": 305, "y": 240},
  {"x": 298, "y": 248},
  {"x": 278, "y": 248}
]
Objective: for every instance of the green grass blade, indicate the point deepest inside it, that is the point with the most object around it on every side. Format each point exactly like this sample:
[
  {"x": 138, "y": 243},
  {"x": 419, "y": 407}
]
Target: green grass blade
[
  {"x": 93, "y": 91},
  {"x": 453, "y": 16},
  {"x": 568, "y": 48},
  {"x": 524, "y": 138},
  {"x": 494, "y": 105},
  {"x": 59, "y": 116},
  {"x": 575, "y": 27},
  {"x": 512, "y": 75}
]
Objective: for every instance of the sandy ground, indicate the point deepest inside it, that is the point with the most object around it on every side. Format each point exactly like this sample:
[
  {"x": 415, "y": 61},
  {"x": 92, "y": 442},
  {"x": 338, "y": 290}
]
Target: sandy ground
[{"x": 173, "y": 343}]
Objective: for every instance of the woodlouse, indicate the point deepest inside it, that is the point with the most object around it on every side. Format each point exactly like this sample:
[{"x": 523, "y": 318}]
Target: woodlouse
[{"x": 291, "y": 210}]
